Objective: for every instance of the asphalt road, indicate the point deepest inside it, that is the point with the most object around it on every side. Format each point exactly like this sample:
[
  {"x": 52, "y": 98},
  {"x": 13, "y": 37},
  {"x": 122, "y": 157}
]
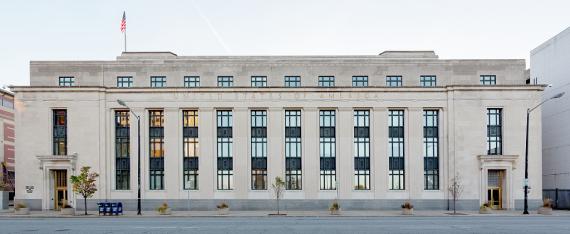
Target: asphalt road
[{"x": 275, "y": 225}]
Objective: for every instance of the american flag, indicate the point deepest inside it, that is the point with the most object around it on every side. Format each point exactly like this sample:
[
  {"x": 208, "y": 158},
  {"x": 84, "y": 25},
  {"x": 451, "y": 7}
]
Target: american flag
[{"x": 124, "y": 23}]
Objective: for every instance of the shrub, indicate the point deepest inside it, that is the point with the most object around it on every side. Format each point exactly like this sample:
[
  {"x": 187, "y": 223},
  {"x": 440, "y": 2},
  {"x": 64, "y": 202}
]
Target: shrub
[
  {"x": 162, "y": 208},
  {"x": 20, "y": 205},
  {"x": 407, "y": 205},
  {"x": 547, "y": 203},
  {"x": 334, "y": 206},
  {"x": 222, "y": 205}
]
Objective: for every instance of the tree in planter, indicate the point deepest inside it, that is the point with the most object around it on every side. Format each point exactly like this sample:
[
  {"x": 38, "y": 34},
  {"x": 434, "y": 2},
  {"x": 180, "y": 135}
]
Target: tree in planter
[
  {"x": 84, "y": 184},
  {"x": 455, "y": 188},
  {"x": 278, "y": 187}
]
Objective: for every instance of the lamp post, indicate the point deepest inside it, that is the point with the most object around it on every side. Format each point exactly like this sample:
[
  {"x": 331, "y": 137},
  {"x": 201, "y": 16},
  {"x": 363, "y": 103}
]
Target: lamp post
[
  {"x": 139, "y": 155},
  {"x": 526, "y": 150}
]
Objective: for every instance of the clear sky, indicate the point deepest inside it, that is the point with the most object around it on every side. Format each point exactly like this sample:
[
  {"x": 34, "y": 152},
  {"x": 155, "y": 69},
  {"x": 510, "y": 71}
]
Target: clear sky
[{"x": 89, "y": 30}]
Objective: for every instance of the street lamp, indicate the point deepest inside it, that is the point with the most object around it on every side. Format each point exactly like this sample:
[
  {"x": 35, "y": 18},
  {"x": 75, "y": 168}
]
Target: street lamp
[
  {"x": 526, "y": 150},
  {"x": 139, "y": 155}
]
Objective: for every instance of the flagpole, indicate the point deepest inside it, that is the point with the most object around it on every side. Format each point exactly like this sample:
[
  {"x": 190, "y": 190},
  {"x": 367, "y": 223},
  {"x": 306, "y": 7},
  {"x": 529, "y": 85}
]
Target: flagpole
[{"x": 125, "y": 39}]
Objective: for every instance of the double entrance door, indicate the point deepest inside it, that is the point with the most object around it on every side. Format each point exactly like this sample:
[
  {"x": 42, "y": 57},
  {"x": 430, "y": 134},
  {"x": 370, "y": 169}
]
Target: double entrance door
[
  {"x": 60, "y": 196},
  {"x": 495, "y": 188}
]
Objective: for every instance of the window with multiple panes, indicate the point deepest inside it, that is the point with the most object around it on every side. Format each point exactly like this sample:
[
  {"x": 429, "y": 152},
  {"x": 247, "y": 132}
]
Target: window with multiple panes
[
  {"x": 225, "y": 81},
  {"x": 59, "y": 132},
  {"x": 190, "y": 149},
  {"x": 225, "y": 172},
  {"x": 258, "y": 150},
  {"x": 396, "y": 150},
  {"x": 431, "y": 150},
  {"x": 191, "y": 81},
  {"x": 122, "y": 150},
  {"x": 158, "y": 81},
  {"x": 124, "y": 81},
  {"x": 293, "y": 171},
  {"x": 327, "y": 145},
  {"x": 156, "y": 149},
  {"x": 360, "y": 81},
  {"x": 494, "y": 131},
  {"x": 361, "y": 149},
  {"x": 326, "y": 81},
  {"x": 488, "y": 79},
  {"x": 428, "y": 81},
  {"x": 259, "y": 81},
  {"x": 394, "y": 81},
  {"x": 292, "y": 81},
  {"x": 7, "y": 101},
  {"x": 66, "y": 81}
]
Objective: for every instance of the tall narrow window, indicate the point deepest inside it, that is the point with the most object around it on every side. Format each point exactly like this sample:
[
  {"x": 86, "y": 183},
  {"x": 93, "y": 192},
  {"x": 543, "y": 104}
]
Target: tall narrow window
[
  {"x": 66, "y": 81},
  {"x": 156, "y": 149},
  {"x": 431, "y": 150},
  {"x": 396, "y": 150},
  {"x": 361, "y": 150},
  {"x": 292, "y": 81},
  {"x": 258, "y": 150},
  {"x": 225, "y": 172},
  {"x": 124, "y": 81},
  {"x": 190, "y": 149},
  {"x": 225, "y": 81},
  {"x": 488, "y": 79},
  {"x": 191, "y": 81},
  {"x": 428, "y": 81},
  {"x": 259, "y": 81},
  {"x": 326, "y": 81},
  {"x": 59, "y": 132},
  {"x": 122, "y": 150},
  {"x": 494, "y": 131},
  {"x": 360, "y": 81},
  {"x": 394, "y": 81},
  {"x": 158, "y": 81},
  {"x": 327, "y": 145},
  {"x": 293, "y": 172}
]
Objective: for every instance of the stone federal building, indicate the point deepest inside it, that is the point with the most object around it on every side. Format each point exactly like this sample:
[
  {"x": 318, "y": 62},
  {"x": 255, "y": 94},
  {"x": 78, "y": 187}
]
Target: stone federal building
[{"x": 370, "y": 131}]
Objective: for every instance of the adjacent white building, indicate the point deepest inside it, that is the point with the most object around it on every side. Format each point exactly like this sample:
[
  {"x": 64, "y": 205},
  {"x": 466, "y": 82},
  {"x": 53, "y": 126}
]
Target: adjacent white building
[
  {"x": 370, "y": 131},
  {"x": 550, "y": 64}
]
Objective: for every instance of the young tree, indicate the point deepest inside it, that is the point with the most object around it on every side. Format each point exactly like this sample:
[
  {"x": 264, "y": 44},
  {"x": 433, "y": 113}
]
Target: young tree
[
  {"x": 84, "y": 184},
  {"x": 455, "y": 188},
  {"x": 278, "y": 187}
]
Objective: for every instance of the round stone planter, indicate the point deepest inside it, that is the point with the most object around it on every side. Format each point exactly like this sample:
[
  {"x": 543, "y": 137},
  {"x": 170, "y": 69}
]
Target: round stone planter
[
  {"x": 67, "y": 211},
  {"x": 167, "y": 211},
  {"x": 22, "y": 211},
  {"x": 334, "y": 211},
  {"x": 223, "y": 211},
  {"x": 485, "y": 210},
  {"x": 406, "y": 211},
  {"x": 545, "y": 211}
]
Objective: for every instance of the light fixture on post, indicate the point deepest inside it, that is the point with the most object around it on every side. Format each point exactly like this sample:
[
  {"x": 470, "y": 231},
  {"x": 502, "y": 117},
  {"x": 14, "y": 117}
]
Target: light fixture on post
[
  {"x": 122, "y": 103},
  {"x": 559, "y": 95}
]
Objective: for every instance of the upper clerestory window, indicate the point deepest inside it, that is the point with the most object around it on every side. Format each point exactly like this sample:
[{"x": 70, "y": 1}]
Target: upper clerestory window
[
  {"x": 326, "y": 81},
  {"x": 488, "y": 80},
  {"x": 225, "y": 81},
  {"x": 66, "y": 81},
  {"x": 158, "y": 81},
  {"x": 394, "y": 81},
  {"x": 124, "y": 81},
  {"x": 360, "y": 81},
  {"x": 191, "y": 81},
  {"x": 428, "y": 81},
  {"x": 259, "y": 81},
  {"x": 292, "y": 81}
]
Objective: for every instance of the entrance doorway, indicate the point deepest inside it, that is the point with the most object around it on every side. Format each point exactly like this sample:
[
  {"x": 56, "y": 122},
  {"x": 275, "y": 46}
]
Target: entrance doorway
[
  {"x": 59, "y": 188},
  {"x": 495, "y": 188}
]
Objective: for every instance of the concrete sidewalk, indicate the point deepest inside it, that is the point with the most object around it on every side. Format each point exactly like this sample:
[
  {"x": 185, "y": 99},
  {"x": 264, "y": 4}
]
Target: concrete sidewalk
[{"x": 348, "y": 213}]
